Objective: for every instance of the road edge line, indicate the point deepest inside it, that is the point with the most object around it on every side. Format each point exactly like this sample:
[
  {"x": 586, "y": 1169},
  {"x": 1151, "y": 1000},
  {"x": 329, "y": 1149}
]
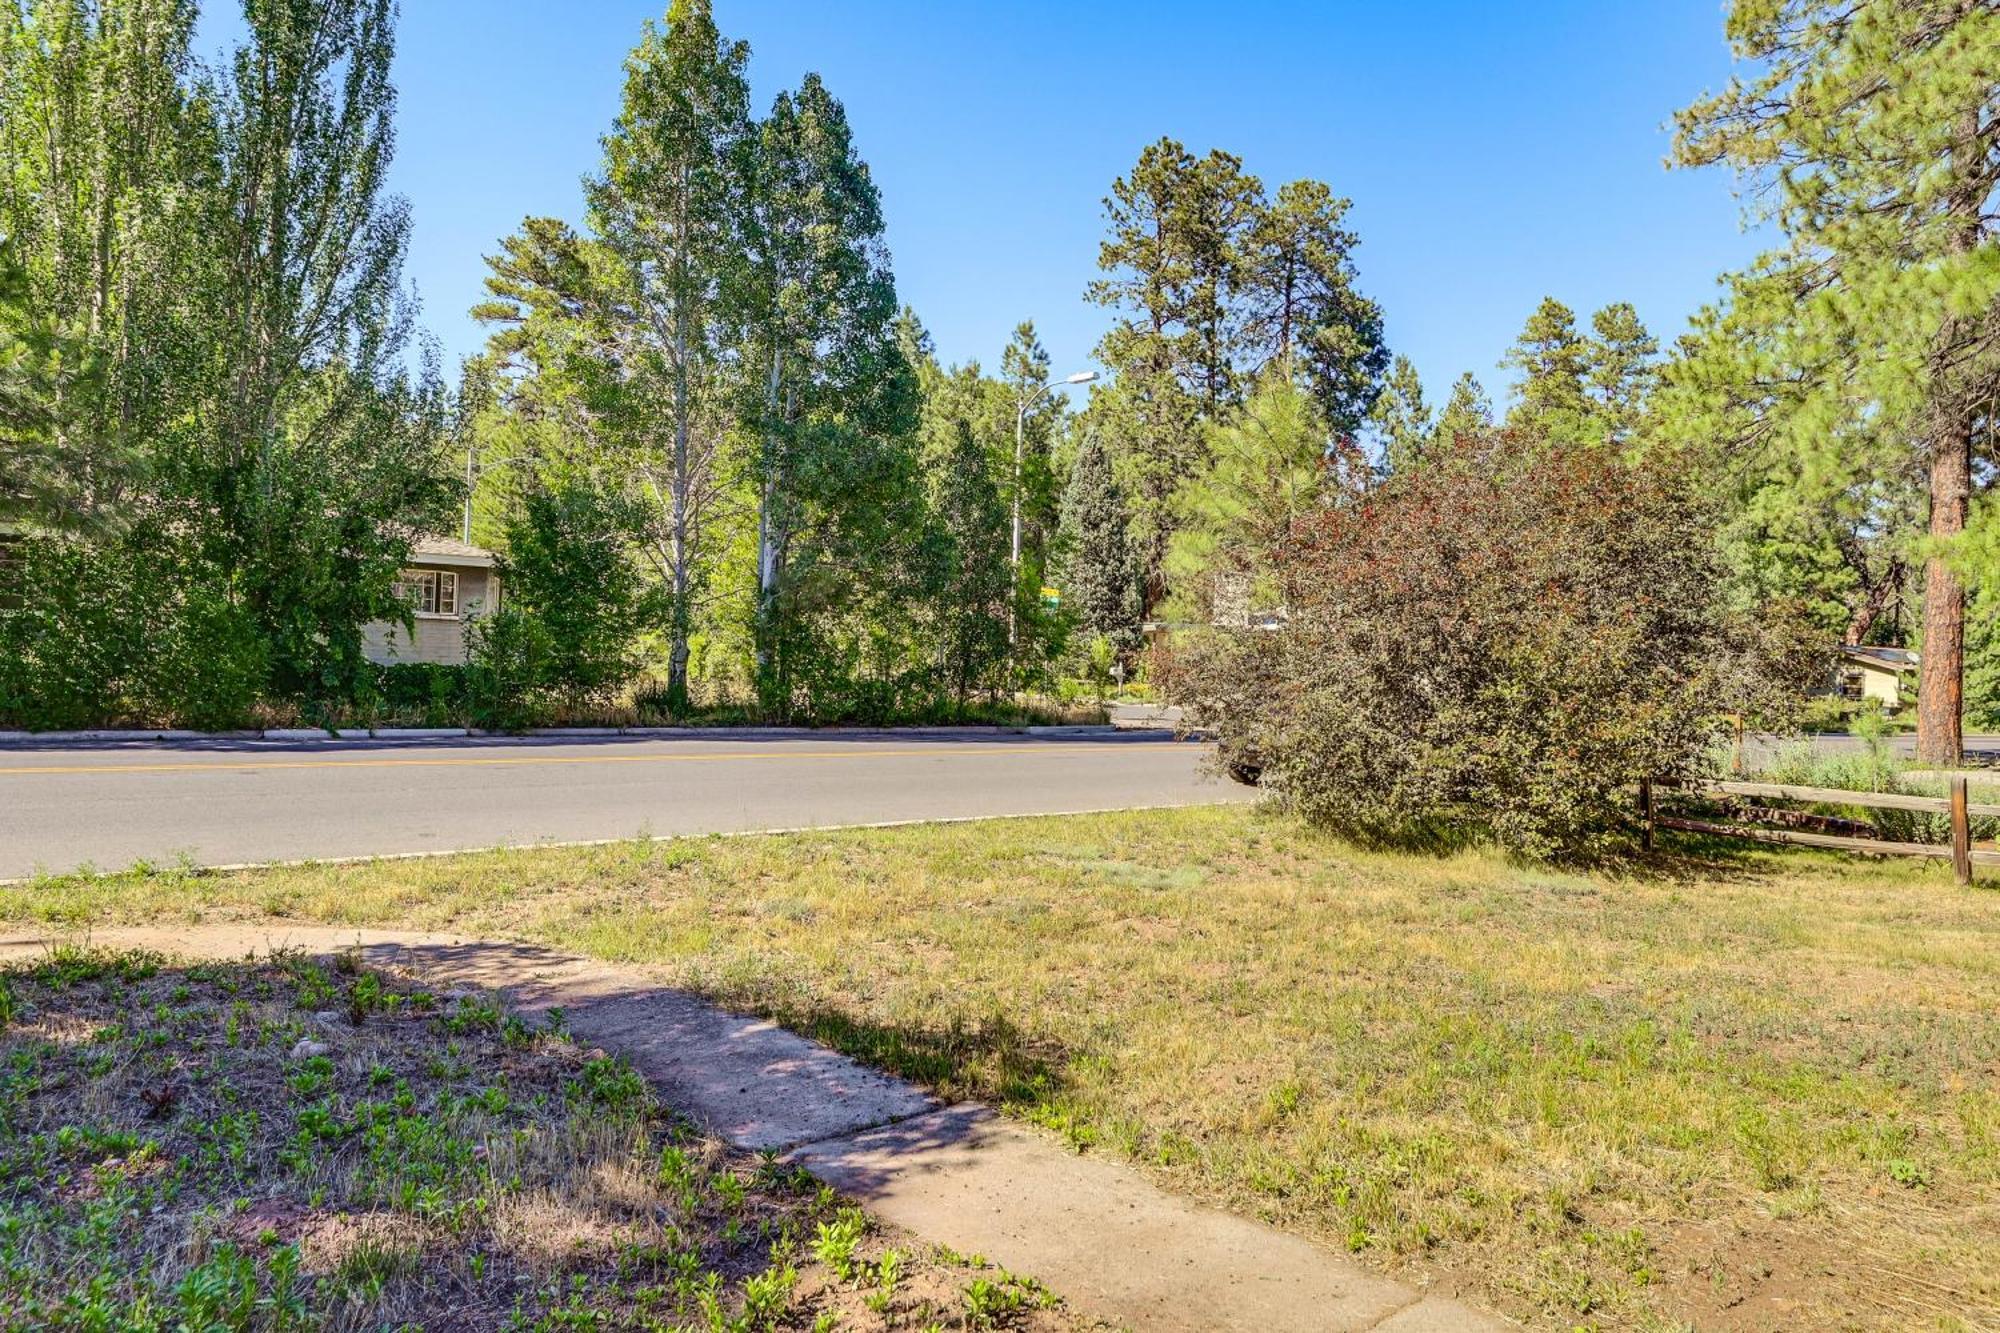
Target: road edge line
[{"x": 370, "y": 858}]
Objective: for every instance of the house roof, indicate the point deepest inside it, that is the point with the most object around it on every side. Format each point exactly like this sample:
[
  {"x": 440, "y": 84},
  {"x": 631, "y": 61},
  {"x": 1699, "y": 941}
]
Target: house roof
[
  {"x": 1882, "y": 658},
  {"x": 432, "y": 550}
]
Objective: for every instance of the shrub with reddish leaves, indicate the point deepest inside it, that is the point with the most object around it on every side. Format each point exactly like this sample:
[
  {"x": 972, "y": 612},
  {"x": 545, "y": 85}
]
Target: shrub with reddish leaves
[{"x": 1501, "y": 642}]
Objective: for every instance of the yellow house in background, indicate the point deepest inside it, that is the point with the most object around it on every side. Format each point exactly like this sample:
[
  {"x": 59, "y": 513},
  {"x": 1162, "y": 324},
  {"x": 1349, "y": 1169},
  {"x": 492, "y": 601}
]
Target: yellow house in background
[
  {"x": 446, "y": 583},
  {"x": 1865, "y": 673}
]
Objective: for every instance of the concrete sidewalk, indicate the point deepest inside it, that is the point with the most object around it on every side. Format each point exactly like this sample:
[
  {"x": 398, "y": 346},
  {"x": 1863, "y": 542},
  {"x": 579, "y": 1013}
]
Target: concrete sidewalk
[{"x": 1114, "y": 1245}]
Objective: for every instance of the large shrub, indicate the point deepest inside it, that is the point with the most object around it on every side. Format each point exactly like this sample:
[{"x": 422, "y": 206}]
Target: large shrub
[
  {"x": 1505, "y": 640},
  {"x": 97, "y": 632},
  {"x": 569, "y": 569}
]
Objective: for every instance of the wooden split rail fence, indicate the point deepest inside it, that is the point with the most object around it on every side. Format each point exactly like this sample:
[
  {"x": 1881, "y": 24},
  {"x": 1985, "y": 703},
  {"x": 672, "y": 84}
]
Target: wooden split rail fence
[{"x": 1960, "y": 850}]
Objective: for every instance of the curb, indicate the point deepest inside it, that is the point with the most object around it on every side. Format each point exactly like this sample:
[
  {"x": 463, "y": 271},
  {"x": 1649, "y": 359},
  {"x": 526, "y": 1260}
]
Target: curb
[{"x": 113, "y": 735}]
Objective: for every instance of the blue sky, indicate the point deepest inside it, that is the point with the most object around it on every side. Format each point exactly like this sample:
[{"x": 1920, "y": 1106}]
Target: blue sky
[{"x": 1495, "y": 153}]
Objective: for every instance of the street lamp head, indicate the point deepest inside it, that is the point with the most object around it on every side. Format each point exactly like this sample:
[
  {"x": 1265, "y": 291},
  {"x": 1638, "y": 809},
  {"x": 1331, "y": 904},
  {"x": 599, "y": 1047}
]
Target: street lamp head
[{"x": 1081, "y": 377}]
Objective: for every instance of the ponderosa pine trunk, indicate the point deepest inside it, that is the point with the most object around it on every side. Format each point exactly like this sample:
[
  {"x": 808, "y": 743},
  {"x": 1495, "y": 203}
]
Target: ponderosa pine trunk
[
  {"x": 1941, "y": 678},
  {"x": 1941, "y": 682}
]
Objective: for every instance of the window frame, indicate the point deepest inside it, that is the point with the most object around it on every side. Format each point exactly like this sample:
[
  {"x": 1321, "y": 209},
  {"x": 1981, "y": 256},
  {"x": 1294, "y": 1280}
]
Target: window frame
[{"x": 431, "y": 594}]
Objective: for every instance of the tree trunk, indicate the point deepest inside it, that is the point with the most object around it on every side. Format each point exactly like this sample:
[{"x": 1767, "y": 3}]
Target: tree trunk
[
  {"x": 767, "y": 538},
  {"x": 677, "y": 659},
  {"x": 1941, "y": 683},
  {"x": 1879, "y": 593}
]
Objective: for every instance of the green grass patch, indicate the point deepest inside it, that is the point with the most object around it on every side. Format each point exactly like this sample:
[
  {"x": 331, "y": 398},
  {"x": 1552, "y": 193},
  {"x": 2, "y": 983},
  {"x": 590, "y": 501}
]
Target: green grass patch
[
  {"x": 292, "y": 1146},
  {"x": 1726, "y": 1086}
]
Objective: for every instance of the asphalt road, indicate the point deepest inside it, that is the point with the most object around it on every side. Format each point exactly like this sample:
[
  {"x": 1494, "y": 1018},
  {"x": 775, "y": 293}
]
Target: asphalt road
[{"x": 225, "y": 802}]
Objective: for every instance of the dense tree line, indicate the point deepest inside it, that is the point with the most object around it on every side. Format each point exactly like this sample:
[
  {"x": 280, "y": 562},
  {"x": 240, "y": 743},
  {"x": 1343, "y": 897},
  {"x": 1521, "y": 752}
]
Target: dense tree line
[
  {"x": 216, "y": 445},
  {"x": 726, "y": 468}
]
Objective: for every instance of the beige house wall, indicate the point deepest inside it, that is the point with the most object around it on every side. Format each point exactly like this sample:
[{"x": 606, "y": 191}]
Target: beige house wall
[
  {"x": 1879, "y": 684},
  {"x": 439, "y": 639}
]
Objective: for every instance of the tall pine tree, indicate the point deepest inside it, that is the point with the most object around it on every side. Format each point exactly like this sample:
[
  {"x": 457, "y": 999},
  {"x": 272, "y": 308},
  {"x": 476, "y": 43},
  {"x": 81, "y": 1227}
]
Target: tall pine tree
[
  {"x": 1100, "y": 578},
  {"x": 1869, "y": 127}
]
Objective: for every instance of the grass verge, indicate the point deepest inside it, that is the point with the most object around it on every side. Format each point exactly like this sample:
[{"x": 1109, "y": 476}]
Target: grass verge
[
  {"x": 288, "y": 1146},
  {"x": 1729, "y": 1088}
]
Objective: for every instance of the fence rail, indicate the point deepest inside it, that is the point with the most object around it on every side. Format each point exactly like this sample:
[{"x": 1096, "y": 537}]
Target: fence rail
[{"x": 1954, "y": 805}]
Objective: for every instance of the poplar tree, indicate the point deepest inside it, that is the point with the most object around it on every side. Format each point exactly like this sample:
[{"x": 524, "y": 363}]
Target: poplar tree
[
  {"x": 1869, "y": 338},
  {"x": 832, "y": 399},
  {"x": 99, "y": 146},
  {"x": 667, "y": 208},
  {"x": 37, "y": 477},
  {"x": 317, "y": 454}
]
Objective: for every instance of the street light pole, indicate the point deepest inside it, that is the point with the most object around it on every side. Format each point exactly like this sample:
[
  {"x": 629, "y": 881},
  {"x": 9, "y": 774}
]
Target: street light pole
[{"x": 1021, "y": 409}]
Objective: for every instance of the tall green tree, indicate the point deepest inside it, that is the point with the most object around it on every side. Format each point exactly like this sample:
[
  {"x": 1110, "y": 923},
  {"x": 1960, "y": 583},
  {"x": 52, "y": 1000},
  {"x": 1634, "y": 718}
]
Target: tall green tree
[
  {"x": 1302, "y": 307},
  {"x": 1214, "y": 283},
  {"x": 102, "y": 159},
  {"x": 1402, "y": 421},
  {"x": 1100, "y": 573},
  {"x": 832, "y": 400},
  {"x": 1271, "y": 461},
  {"x": 316, "y": 454},
  {"x": 1623, "y": 365},
  {"x": 38, "y": 478},
  {"x": 968, "y": 578},
  {"x": 1867, "y": 127},
  {"x": 1466, "y": 412},
  {"x": 667, "y": 209},
  {"x": 1553, "y": 361}
]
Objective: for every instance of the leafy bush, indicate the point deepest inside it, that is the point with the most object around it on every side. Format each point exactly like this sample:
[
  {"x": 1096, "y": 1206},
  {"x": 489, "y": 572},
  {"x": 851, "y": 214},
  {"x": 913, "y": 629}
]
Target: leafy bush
[
  {"x": 436, "y": 692},
  {"x": 568, "y": 568},
  {"x": 1505, "y": 640},
  {"x": 507, "y": 655},
  {"x": 105, "y": 632}
]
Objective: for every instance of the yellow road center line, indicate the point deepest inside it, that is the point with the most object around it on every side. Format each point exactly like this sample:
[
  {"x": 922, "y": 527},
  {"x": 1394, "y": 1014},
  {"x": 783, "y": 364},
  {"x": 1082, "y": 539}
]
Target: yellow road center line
[{"x": 250, "y": 766}]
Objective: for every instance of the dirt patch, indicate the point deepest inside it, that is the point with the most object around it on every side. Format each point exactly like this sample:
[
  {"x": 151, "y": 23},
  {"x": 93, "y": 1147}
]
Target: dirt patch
[{"x": 288, "y": 1145}]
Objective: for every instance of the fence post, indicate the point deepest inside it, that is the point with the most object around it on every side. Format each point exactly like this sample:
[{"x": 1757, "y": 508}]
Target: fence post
[
  {"x": 1961, "y": 832},
  {"x": 1646, "y": 813}
]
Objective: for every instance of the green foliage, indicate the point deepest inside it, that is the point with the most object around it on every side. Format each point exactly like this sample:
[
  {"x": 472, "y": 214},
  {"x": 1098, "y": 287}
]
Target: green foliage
[
  {"x": 104, "y": 632},
  {"x": 1216, "y": 286},
  {"x": 1100, "y": 578},
  {"x": 1577, "y": 388},
  {"x": 1873, "y": 768},
  {"x": 1401, "y": 420},
  {"x": 1856, "y": 361},
  {"x": 206, "y": 264},
  {"x": 568, "y": 569},
  {"x": 507, "y": 657},
  {"x": 1271, "y": 463},
  {"x": 1466, "y": 411},
  {"x": 1504, "y": 640}
]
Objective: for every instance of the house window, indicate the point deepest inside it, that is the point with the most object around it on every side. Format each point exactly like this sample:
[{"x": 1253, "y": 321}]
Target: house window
[
  {"x": 430, "y": 592},
  {"x": 1851, "y": 686}
]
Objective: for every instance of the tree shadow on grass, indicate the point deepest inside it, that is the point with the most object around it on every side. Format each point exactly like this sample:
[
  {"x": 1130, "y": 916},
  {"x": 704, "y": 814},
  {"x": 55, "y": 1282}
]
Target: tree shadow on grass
[
  {"x": 1682, "y": 859},
  {"x": 991, "y": 1059}
]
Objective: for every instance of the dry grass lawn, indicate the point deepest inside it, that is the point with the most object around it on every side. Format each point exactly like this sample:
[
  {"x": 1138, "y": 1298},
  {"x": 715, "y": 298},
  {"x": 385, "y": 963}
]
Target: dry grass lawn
[{"x": 1750, "y": 1090}]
